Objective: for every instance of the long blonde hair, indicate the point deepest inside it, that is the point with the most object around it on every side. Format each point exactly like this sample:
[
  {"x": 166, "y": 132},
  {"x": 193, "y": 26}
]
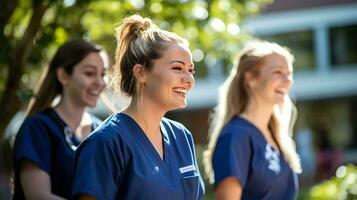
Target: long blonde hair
[{"x": 233, "y": 99}]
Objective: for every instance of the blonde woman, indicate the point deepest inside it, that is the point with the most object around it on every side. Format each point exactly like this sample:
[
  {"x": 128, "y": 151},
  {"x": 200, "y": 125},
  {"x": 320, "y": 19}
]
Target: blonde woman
[
  {"x": 251, "y": 154},
  {"x": 138, "y": 153}
]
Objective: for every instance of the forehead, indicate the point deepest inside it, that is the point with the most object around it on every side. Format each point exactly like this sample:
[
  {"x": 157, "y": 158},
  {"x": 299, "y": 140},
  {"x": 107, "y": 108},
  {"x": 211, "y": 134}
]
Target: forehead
[
  {"x": 176, "y": 52},
  {"x": 275, "y": 61},
  {"x": 92, "y": 60}
]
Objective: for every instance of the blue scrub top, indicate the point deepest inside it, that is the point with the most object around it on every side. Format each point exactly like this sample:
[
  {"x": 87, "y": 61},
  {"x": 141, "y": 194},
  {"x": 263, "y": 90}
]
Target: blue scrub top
[
  {"x": 263, "y": 172},
  {"x": 119, "y": 162},
  {"x": 41, "y": 139}
]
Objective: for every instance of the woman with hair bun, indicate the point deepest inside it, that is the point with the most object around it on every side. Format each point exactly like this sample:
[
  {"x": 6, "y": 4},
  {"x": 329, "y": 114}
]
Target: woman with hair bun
[
  {"x": 138, "y": 153},
  {"x": 251, "y": 154}
]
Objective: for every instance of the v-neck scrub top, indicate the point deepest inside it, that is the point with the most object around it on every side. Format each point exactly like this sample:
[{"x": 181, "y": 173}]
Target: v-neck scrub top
[
  {"x": 119, "y": 162},
  {"x": 242, "y": 152},
  {"x": 41, "y": 139}
]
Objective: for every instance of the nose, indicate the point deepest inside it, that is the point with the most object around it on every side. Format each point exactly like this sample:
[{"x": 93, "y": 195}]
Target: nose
[
  {"x": 100, "y": 81},
  {"x": 288, "y": 79},
  {"x": 189, "y": 79}
]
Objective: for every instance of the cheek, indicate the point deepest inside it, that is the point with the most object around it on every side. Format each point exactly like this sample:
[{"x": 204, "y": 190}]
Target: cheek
[{"x": 82, "y": 83}]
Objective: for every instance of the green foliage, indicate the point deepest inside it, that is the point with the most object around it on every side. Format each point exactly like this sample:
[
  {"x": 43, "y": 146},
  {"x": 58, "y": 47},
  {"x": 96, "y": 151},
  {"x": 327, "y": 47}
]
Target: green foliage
[
  {"x": 212, "y": 27},
  {"x": 341, "y": 187}
]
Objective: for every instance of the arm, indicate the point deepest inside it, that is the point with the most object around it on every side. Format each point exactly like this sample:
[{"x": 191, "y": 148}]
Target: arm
[
  {"x": 231, "y": 163},
  {"x": 229, "y": 189},
  {"x": 35, "y": 182}
]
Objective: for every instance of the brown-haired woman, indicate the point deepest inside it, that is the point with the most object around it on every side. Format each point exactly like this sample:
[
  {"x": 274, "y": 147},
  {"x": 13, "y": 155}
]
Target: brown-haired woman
[
  {"x": 44, "y": 147},
  {"x": 137, "y": 153},
  {"x": 251, "y": 154}
]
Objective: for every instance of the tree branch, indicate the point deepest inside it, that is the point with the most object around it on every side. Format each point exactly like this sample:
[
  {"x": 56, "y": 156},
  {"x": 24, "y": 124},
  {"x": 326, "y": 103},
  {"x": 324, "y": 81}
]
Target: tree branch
[{"x": 10, "y": 102}]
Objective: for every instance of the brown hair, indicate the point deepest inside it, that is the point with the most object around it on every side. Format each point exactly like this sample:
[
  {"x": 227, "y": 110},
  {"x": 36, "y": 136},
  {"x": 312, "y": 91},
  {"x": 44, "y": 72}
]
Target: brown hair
[{"x": 67, "y": 56}]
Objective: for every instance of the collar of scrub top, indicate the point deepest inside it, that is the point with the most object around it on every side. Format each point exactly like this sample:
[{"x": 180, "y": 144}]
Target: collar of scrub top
[{"x": 68, "y": 132}]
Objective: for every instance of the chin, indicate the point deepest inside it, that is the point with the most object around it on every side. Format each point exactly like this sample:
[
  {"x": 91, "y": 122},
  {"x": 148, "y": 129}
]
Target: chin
[
  {"x": 91, "y": 104},
  {"x": 279, "y": 101},
  {"x": 180, "y": 106}
]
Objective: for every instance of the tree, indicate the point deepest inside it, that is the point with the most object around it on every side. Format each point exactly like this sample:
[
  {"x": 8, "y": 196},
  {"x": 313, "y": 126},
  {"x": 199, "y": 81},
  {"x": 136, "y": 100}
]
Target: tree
[{"x": 32, "y": 30}]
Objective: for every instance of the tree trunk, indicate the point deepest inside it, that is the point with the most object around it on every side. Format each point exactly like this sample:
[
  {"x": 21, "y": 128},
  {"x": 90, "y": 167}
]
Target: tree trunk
[
  {"x": 6, "y": 10},
  {"x": 10, "y": 102}
]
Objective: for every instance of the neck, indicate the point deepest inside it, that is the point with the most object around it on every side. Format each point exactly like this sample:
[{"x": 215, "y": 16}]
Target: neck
[
  {"x": 70, "y": 113},
  {"x": 147, "y": 117},
  {"x": 259, "y": 114}
]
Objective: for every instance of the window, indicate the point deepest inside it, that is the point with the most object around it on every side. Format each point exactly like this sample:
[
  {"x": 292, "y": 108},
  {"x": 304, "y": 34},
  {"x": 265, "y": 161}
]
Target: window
[
  {"x": 343, "y": 45},
  {"x": 301, "y": 45}
]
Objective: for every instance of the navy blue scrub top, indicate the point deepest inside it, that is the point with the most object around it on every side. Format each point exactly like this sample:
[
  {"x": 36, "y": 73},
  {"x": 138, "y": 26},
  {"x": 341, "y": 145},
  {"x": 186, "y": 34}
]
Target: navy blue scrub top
[
  {"x": 119, "y": 162},
  {"x": 263, "y": 172},
  {"x": 41, "y": 139}
]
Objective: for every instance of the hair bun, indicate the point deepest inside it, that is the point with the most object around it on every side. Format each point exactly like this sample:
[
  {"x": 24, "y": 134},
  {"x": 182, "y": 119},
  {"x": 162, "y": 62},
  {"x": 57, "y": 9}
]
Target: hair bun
[
  {"x": 139, "y": 23},
  {"x": 145, "y": 24}
]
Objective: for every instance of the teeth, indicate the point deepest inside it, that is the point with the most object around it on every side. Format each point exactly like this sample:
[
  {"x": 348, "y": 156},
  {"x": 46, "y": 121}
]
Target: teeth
[
  {"x": 282, "y": 91},
  {"x": 96, "y": 93},
  {"x": 183, "y": 91}
]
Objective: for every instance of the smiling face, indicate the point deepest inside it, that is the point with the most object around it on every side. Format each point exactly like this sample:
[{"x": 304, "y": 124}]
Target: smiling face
[
  {"x": 169, "y": 79},
  {"x": 86, "y": 82},
  {"x": 273, "y": 81}
]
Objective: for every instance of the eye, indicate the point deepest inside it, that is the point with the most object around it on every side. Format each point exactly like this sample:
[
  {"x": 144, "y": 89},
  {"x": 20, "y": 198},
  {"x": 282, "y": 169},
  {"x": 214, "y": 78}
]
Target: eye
[
  {"x": 192, "y": 71},
  {"x": 89, "y": 73},
  {"x": 177, "y": 68},
  {"x": 278, "y": 72}
]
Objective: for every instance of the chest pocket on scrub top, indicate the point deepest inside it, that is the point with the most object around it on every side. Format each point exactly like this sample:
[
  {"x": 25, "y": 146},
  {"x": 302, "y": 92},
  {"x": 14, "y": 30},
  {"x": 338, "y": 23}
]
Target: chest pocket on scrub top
[{"x": 190, "y": 181}]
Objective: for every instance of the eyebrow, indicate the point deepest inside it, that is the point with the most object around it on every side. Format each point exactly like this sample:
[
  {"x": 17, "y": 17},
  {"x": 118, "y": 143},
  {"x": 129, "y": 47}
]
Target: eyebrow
[
  {"x": 181, "y": 62},
  {"x": 89, "y": 66}
]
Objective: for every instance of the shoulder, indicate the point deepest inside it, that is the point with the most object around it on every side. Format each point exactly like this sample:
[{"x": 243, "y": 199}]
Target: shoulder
[
  {"x": 173, "y": 123},
  {"x": 111, "y": 130},
  {"x": 175, "y": 127},
  {"x": 238, "y": 129},
  {"x": 41, "y": 116},
  {"x": 39, "y": 120},
  {"x": 178, "y": 132}
]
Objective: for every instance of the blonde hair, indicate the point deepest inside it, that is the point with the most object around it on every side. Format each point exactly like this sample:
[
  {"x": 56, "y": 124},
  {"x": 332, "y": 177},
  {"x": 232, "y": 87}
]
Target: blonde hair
[
  {"x": 139, "y": 41},
  {"x": 233, "y": 100}
]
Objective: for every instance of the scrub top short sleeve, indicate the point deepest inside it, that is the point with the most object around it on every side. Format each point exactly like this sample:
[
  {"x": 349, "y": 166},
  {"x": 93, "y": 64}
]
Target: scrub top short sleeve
[
  {"x": 34, "y": 145},
  {"x": 231, "y": 157},
  {"x": 99, "y": 167}
]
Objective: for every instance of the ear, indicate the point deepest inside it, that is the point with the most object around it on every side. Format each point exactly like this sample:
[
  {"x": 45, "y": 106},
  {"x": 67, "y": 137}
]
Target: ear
[
  {"x": 139, "y": 73},
  {"x": 62, "y": 76},
  {"x": 250, "y": 79}
]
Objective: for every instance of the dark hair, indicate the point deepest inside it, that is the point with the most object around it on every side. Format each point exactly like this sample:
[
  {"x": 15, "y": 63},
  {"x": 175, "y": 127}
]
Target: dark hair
[
  {"x": 139, "y": 41},
  {"x": 67, "y": 56}
]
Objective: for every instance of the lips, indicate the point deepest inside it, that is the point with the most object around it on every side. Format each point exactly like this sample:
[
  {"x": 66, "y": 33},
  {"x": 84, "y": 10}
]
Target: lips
[
  {"x": 94, "y": 93},
  {"x": 281, "y": 91},
  {"x": 180, "y": 91}
]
